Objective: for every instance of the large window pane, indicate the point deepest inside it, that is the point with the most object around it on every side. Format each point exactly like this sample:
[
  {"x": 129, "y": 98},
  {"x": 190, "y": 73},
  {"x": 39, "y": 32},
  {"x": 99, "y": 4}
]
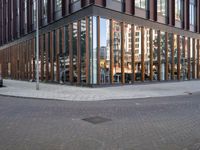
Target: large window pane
[
  {"x": 127, "y": 53},
  {"x": 162, "y": 53},
  {"x": 93, "y": 50},
  {"x": 155, "y": 55},
  {"x": 138, "y": 52},
  {"x": 147, "y": 53},
  {"x": 74, "y": 45},
  {"x": 117, "y": 52},
  {"x": 105, "y": 50},
  {"x": 83, "y": 51}
]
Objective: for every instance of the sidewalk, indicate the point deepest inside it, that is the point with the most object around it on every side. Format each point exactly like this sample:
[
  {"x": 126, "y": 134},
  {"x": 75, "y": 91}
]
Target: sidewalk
[{"x": 64, "y": 92}]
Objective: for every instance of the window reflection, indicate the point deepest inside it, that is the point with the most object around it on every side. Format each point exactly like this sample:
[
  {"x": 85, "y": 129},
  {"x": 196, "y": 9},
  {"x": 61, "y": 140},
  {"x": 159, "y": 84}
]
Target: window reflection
[
  {"x": 83, "y": 51},
  {"x": 127, "y": 53},
  {"x": 74, "y": 45},
  {"x": 162, "y": 53},
  {"x": 162, "y": 7},
  {"x": 138, "y": 53},
  {"x": 104, "y": 50},
  {"x": 140, "y": 4},
  {"x": 155, "y": 55},
  {"x": 147, "y": 53},
  {"x": 117, "y": 51}
]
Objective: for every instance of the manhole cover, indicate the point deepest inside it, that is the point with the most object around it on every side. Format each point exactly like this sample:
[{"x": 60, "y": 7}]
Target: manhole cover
[{"x": 96, "y": 120}]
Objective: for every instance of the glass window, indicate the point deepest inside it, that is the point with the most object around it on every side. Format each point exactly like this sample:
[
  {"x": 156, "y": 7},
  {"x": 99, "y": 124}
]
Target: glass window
[
  {"x": 183, "y": 66},
  {"x": 192, "y": 11},
  {"x": 138, "y": 52},
  {"x": 162, "y": 7},
  {"x": 170, "y": 59},
  {"x": 141, "y": 4},
  {"x": 186, "y": 57},
  {"x": 105, "y": 50},
  {"x": 34, "y": 18},
  {"x": 44, "y": 10},
  {"x": 117, "y": 52},
  {"x": 162, "y": 53},
  {"x": 66, "y": 60},
  {"x": 147, "y": 53},
  {"x": 93, "y": 49},
  {"x": 178, "y": 10},
  {"x": 58, "y": 5},
  {"x": 74, "y": 48},
  {"x": 127, "y": 53},
  {"x": 155, "y": 55},
  {"x": 83, "y": 51}
]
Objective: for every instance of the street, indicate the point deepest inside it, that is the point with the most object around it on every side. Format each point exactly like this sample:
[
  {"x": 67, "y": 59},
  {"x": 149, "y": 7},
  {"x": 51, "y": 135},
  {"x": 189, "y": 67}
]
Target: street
[{"x": 167, "y": 123}]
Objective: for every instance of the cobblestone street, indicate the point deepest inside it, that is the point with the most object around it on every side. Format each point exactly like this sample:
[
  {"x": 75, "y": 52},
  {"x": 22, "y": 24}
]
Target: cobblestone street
[{"x": 169, "y": 123}]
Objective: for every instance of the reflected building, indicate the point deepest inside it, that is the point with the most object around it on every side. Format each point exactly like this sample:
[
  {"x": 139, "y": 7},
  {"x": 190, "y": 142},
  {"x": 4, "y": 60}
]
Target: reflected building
[{"x": 101, "y": 42}]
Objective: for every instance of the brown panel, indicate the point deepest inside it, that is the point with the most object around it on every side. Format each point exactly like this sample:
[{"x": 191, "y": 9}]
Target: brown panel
[
  {"x": 166, "y": 56},
  {"x": 57, "y": 55},
  {"x": 151, "y": 54},
  {"x": 172, "y": 55},
  {"x": 178, "y": 57},
  {"x": 130, "y": 6},
  {"x": 193, "y": 59},
  {"x": 188, "y": 51},
  {"x": 122, "y": 52},
  {"x": 133, "y": 51},
  {"x": 70, "y": 54},
  {"x": 198, "y": 64},
  {"x": 186, "y": 15},
  {"x": 87, "y": 49},
  {"x": 142, "y": 53},
  {"x": 41, "y": 52},
  {"x": 111, "y": 51},
  {"x": 153, "y": 9},
  {"x": 51, "y": 54},
  {"x": 98, "y": 51},
  {"x": 79, "y": 53},
  {"x": 47, "y": 55},
  {"x": 159, "y": 57},
  {"x": 171, "y": 12}
]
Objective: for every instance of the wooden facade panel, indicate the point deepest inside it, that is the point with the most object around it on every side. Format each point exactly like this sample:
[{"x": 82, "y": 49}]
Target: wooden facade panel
[
  {"x": 133, "y": 51},
  {"x": 178, "y": 58}
]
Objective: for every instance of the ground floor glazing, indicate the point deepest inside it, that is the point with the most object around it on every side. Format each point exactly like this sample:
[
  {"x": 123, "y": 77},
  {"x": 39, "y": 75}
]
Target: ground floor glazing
[{"x": 96, "y": 50}]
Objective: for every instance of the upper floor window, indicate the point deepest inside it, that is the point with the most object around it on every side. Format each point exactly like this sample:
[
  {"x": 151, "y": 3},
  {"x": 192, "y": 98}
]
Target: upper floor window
[
  {"x": 141, "y": 4},
  {"x": 44, "y": 8},
  {"x": 178, "y": 10},
  {"x": 25, "y": 11},
  {"x": 58, "y": 5},
  {"x": 162, "y": 7},
  {"x": 192, "y": 11}
]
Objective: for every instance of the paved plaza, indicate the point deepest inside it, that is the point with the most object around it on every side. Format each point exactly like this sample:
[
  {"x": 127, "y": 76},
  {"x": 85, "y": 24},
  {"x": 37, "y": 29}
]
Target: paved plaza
[{"x": 73, "y": 93}]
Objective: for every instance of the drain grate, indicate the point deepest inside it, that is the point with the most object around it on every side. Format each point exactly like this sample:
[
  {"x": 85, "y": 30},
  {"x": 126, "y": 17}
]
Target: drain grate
[{"x": 96, "y": 120}]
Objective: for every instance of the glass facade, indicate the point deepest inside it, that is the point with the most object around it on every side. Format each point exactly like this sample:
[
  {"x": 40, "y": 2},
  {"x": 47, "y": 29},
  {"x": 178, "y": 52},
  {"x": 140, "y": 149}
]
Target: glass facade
[{"x": 96, "y": 50}]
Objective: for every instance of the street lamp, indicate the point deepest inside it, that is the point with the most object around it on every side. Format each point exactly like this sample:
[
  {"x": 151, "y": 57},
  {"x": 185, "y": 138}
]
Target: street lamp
[{"x": 37, "y": 45}]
